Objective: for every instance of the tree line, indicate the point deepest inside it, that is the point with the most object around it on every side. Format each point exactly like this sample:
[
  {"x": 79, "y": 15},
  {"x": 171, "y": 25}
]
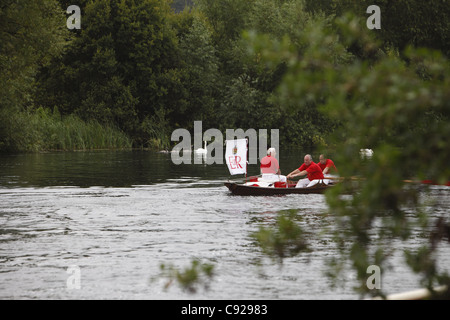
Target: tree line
[{"x": 145, "y": 69}]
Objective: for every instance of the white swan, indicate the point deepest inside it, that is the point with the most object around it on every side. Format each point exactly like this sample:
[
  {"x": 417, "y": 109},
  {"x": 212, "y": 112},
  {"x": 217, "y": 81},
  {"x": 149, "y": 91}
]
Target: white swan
[
  {"x": 366, "y": 153},
  {"x": 201, "y": 150}
]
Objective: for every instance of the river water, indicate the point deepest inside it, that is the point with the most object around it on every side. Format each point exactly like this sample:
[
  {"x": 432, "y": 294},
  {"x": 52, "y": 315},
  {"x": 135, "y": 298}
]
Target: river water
[{"x": 110, "y": 219}]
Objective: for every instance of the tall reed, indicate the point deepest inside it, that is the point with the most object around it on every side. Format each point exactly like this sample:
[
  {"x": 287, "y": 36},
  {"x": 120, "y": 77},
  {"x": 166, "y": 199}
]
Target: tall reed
[{"x": 44, "y": 130}]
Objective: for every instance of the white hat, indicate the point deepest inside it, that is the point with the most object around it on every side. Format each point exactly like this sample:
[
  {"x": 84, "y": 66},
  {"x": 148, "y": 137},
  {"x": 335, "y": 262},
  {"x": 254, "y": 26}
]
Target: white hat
[{"x": 271, "y": 151}]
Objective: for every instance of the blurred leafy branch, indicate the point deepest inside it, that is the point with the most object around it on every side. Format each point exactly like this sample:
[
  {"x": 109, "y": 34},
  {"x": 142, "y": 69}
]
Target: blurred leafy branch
[
  {"x": 189, "y": 278},
  {"x": 397, "y": 105},
  {"x": 285, "y": 239}
]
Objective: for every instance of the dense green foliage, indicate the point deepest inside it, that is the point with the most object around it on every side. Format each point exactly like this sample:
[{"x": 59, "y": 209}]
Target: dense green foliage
[
  {"x": 117, "y": 69},
  {"x": 403, "y": 22},
  {"x": 46, "y": 130},
  {"x": 180, "y": 5},
  {"x": 146, "y": 69},
  {"x": 32, "y": 35},
  {"x": 397, "y": 105}
]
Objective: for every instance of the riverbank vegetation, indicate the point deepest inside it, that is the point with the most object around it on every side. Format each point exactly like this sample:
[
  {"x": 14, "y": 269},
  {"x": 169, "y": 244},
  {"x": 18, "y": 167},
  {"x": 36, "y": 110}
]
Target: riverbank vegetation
[
  {"x": 146, "y": 68},
  {"x": 44, "y": 130},
  {"x": 389, "y": 94}
]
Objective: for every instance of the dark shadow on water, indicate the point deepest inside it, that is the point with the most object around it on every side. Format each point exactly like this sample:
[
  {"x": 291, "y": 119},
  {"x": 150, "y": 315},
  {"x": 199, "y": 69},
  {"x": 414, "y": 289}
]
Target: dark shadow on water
[{"x": 117, "y": 169}]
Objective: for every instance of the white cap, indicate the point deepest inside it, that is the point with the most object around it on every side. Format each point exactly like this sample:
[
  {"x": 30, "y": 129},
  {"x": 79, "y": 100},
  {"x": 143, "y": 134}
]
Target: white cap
[{"x": 271, "y": 151}]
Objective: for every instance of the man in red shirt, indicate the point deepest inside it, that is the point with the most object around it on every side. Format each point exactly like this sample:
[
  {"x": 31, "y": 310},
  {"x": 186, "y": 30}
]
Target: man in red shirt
[
  {"x": 310, "y": 169},
  {"x": 327, "y": 165},
  {"x": 270, "y": 169},
  {"x": 269, "y": 164},
  {"x": 329, "y": 170}
]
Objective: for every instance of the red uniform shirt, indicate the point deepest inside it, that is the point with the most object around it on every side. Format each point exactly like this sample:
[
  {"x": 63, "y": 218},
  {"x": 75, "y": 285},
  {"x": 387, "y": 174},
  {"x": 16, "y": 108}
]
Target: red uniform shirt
[
  {"x": 269, "y": 165},
  {"x": 330, "y": 164},
  {"x": 313, "y": 170}
]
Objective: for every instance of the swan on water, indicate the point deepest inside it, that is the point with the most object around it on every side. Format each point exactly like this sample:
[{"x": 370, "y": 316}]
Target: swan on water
[
  {"x": 366, "y": 153},
  {"x": 201, "y": 150}
]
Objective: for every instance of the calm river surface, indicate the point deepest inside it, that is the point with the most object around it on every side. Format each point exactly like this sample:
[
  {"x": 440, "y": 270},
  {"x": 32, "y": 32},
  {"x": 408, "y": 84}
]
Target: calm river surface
[{"x": 118, "y": 215}]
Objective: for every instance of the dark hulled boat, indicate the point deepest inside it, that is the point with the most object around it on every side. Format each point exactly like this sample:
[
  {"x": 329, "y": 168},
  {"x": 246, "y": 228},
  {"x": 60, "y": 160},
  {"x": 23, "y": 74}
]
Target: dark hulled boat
[{"x": 249, "y": 190}]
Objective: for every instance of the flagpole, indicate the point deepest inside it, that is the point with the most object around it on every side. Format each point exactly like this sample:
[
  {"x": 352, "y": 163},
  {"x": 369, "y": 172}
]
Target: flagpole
[{"x": 246, "y": 161}]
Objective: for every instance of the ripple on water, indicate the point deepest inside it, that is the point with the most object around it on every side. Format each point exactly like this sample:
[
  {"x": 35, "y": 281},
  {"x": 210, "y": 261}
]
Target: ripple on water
[{"x": 119, "y": 237}]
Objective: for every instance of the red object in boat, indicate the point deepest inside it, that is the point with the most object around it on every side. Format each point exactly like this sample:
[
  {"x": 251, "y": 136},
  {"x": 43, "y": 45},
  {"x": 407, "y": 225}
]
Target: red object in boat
[
  {"x": 435, "y": 183},
  {"x": 279, "y": 184}
]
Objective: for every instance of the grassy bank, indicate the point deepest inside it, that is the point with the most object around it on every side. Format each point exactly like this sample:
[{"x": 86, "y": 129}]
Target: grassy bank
[{"x": 43, "y": 130}]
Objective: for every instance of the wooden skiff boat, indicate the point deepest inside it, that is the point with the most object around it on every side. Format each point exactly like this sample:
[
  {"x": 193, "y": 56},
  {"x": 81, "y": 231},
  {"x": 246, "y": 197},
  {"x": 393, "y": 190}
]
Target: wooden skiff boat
[{"x": 248, "y": 190}]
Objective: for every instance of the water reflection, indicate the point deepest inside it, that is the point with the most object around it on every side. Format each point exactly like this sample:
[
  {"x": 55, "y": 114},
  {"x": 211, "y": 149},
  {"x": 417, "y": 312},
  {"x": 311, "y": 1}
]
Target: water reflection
[{"x": 113, "y": 169}]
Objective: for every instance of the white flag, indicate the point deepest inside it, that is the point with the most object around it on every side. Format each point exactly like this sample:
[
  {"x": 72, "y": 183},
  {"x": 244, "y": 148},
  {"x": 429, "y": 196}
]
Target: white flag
[{"x": 236, "y": 156}]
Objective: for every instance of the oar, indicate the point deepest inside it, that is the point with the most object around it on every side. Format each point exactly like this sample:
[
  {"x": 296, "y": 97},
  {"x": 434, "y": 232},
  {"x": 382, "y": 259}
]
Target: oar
[
  {"x": 344, "y": 178},
  {"x": 405, "y": 181}
]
